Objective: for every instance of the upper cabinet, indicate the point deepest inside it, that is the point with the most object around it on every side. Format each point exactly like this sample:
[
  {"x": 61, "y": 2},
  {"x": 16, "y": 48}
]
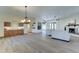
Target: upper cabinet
[{"x": 7, "y": 24}]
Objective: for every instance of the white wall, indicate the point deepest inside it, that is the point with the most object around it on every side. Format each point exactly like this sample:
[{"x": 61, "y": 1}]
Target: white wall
[
  {"x": 63, "y": 22},
  {"x": 14, "y": 21},
  {"x": 1, "y": 27},
  {"x": 8, "y": 14},
  {"x": 34, "y": 20}
]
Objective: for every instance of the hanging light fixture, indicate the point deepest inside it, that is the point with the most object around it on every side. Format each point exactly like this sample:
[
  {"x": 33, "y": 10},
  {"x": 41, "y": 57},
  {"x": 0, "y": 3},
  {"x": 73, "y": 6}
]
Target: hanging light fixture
[
  {"x": 26, "y": 20},
  {"x": 23, "y": 21},
  {"x": 25, "y": 14}
]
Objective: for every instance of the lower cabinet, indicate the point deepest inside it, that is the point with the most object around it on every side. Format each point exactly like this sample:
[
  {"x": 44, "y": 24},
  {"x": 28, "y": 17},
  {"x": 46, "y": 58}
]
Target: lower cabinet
[{"x": 8, "y": 33}]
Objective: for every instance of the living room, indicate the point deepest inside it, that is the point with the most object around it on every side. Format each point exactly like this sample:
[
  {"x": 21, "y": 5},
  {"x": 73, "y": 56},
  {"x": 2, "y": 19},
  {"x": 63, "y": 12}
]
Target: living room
[{"x": 33, "y": 28}]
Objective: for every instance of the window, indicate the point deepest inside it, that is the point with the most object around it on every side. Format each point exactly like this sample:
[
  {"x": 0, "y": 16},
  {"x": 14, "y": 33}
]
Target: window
[
  {"x": 51, "y": 25},
  {"x": 55, "y": 26},
  {"x": 39, "y": 25}
]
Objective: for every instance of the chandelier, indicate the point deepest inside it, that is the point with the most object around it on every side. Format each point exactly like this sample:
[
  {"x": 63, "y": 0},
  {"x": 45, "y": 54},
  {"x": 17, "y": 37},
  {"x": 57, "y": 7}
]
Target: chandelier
[{"x": 26, "y": 20}]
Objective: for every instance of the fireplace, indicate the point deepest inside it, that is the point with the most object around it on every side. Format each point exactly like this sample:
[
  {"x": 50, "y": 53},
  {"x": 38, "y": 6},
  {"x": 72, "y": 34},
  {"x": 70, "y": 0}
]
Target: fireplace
[{"x": 72, "y": 30}]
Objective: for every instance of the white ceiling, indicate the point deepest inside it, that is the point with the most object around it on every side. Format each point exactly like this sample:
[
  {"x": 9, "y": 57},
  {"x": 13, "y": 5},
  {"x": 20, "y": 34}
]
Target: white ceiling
[
  {"x": 12, "y": 10},
  {"x": 51, "y": 11},
  {"x": 48, "y": 12}
]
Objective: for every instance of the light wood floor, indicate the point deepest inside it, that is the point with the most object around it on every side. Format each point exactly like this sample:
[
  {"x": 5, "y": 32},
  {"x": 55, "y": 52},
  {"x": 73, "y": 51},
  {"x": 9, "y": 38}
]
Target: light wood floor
[{"x": 36, "y": 43}]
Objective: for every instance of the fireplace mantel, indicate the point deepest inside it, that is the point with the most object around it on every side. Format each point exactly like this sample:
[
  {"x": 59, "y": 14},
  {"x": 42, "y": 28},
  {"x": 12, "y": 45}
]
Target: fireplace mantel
[
  {"x": 72, "y": 28},
  {"x": 72, "y": 25}
]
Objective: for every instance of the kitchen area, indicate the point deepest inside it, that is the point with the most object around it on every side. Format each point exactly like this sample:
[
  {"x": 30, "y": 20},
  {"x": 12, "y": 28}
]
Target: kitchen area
[
  {"x": 12, "y": 31},
  {"x": 15, "y": 28}
]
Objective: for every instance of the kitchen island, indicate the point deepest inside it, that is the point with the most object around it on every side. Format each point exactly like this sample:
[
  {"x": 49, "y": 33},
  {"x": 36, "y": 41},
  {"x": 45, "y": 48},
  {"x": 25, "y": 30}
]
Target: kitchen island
[{"x": 8, "y": 32}]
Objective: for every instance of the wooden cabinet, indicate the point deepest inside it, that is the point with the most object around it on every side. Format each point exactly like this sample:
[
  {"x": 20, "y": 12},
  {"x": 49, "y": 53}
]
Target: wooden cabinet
[
  {"x": 8, "y": 24},
  {"x": 8, "y": 33}
]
